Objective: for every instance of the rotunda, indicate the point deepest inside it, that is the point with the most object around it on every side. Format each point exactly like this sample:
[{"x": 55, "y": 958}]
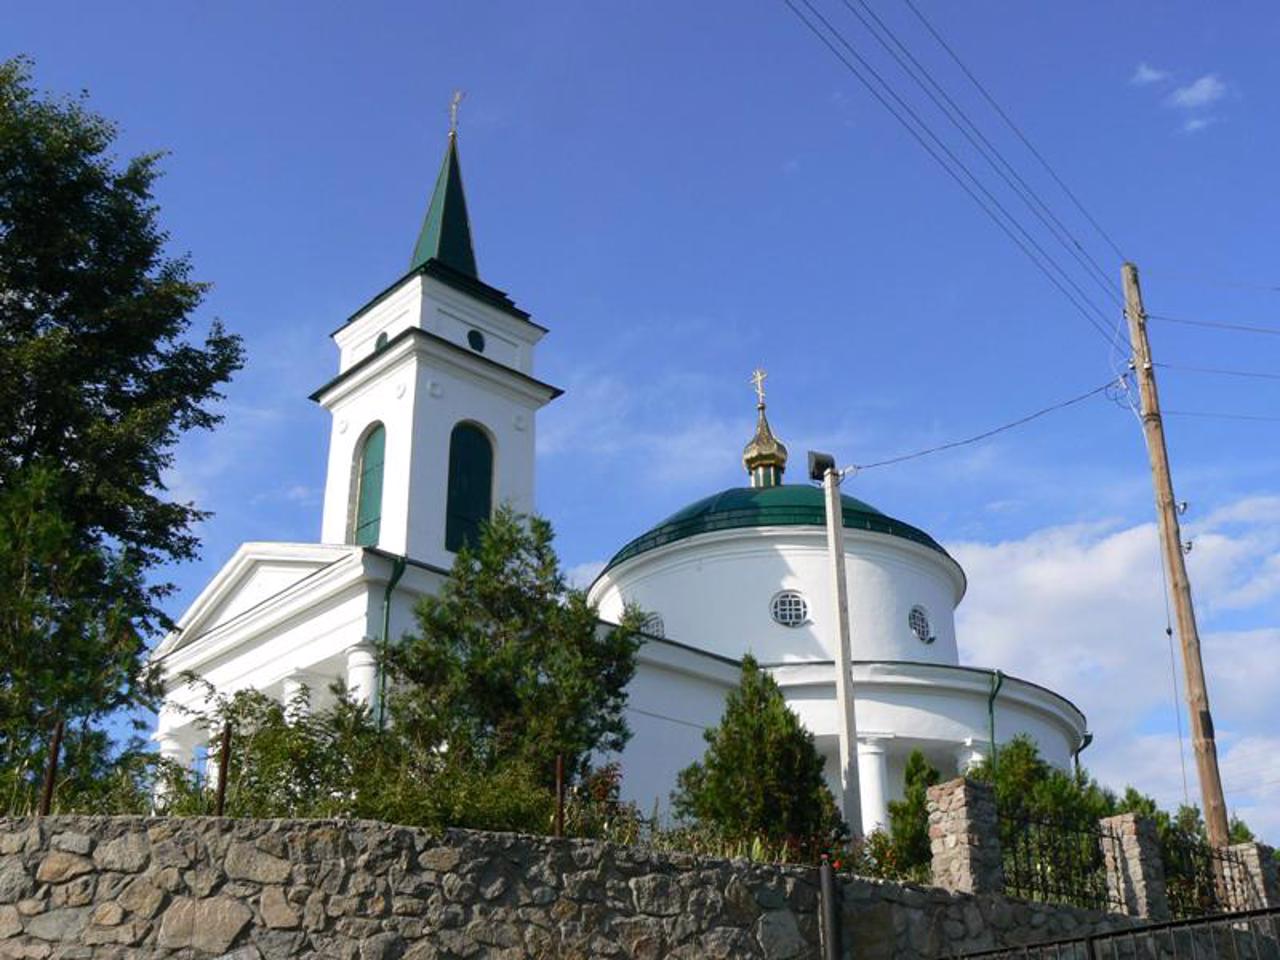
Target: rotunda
[{"x": 747, "y": 570}]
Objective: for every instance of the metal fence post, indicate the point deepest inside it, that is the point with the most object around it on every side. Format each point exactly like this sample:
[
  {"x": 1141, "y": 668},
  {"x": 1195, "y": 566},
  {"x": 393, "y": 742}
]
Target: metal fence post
[
  {"x": 831, "y": 945},
  {"x": 224, "y": 760},
  {"x": 559, "y": 794},
  {"x": 51, "y": 768}
]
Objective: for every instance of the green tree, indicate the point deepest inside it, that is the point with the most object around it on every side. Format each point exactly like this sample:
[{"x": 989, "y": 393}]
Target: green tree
[
  {"x": 909, "y": 854},
  {"x": 97, "y": 382},
  {"x": 761, "y": 775},
  {"x": 511, "y": 665},
  {"x": 1026, "y": 785}
]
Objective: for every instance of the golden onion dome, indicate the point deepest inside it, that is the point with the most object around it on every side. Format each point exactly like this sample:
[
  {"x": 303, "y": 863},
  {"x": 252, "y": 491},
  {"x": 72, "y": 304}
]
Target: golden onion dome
[{"x": 765, "y": 456}]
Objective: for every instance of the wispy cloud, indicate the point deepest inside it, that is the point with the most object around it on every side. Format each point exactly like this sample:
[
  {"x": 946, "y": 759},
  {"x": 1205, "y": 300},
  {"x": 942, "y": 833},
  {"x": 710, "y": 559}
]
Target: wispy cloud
[
  {"x": 1146, "y": 74},
  {"x": 1200, "y": 93},
  {"x": 1196, "y": 124}
]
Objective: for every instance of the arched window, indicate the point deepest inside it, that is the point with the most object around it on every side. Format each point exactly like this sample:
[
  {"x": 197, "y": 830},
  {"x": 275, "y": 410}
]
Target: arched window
[
  {"x": 368, "y": 499},
  {"x": 470, "y": 486}
]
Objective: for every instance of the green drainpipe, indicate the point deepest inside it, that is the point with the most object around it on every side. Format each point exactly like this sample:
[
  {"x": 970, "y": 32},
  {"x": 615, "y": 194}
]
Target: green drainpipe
[
  {"x": 997, "y": 681},
  {"x": 397, "y": 571},
  {"x": 1085, "y": 740}
]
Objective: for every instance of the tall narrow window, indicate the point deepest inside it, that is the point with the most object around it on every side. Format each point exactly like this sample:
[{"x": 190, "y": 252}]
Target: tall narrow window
[
  {"x": 470, "y": 486},
  {"x": 369, "y": 487}
]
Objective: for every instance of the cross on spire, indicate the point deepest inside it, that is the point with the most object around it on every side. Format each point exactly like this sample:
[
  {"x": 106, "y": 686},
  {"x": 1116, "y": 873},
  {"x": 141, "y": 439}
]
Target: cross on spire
[
  {"x": 758, "y": 377},
  {"x": 453, "y": 111}
]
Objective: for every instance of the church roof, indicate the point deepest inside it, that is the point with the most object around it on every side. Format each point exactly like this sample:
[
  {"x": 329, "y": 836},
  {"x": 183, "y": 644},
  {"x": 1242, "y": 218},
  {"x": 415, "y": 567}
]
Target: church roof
[
  {"x": 446, "y": 229},
  {"x": 778, "y": 506}
]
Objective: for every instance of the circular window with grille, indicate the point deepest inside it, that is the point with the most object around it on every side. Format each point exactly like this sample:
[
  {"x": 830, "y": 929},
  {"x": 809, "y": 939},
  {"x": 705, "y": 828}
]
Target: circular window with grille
[
  {"x": 654, "y": 626},
  {"x": 789, "y": 608},
  {"x": 918, "y": 620}
]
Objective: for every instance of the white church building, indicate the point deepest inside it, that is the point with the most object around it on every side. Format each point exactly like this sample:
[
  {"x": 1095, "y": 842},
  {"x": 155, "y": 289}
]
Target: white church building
[{"x": 434, "y": 410}]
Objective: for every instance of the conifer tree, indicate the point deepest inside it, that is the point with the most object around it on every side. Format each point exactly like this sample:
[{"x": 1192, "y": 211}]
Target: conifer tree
[
  {"x": 909, "y": 819},
  {"x": 761, "y": 775},
  {"x": 98, "y": 380},
  {"x": 510, "y": 663}
]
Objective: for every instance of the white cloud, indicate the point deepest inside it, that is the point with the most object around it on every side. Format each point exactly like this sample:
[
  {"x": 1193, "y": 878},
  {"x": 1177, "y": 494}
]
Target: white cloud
[
  {"x": 1146, "y": 74},
  {"x": 1196, "y": 124},
  {"x": 1080, "y": 609},
  {"x": 606, "y": 417},
  {"x": 1200, "y": 93},
  {"x": 582, "y": 575}
]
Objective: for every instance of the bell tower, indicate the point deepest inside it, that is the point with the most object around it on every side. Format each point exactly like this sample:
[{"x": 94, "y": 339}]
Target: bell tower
[{"x": 435, "y": 401}]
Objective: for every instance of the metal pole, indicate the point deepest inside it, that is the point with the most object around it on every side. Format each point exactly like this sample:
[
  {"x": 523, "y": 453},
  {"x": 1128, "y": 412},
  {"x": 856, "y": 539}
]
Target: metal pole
[
  {"x": 851, "y": 801},
  {"x": 397, "y": 571},
  {"x": 224, "y": 761},
  {"x": 559, "y": 794},
  {"x": 1215, "y": 806},
  {"x": 831, "y": 945},
  {"x": 51, "y": 768}
]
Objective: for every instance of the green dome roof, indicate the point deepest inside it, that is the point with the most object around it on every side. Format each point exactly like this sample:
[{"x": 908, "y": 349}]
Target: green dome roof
[{"x": 779, "y": 506}]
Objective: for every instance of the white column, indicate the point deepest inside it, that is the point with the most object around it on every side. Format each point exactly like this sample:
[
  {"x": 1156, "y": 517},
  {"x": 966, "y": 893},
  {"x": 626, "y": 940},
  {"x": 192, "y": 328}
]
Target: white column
[
  {"x": 293, "y": 686},
  {"x": 873, "y": 781},
  {"x": 970, "y": 754},
  {"x": 173, "y": 748},
  {"x": 362, "y": 673}
]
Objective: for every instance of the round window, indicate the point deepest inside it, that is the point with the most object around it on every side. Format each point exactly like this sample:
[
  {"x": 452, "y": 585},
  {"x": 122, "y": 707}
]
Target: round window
[
  {"x": 789, "y": 608},
  {"x": 918, "y": 620},
  {"x": 381, "y": 342},
  {"x": 476, "y": 339}
]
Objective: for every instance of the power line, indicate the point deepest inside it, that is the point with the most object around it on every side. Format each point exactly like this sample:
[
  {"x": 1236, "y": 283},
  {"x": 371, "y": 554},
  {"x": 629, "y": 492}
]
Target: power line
[
  {"x": 1220, "y": 371},
  {"x": 1213, "y": 281},
  {"x": 897, "y": 115},
  {"x": 1221, "y": 416},
  {"x": 986, "y": 148},
  {"x": 1017, "y": 131},
  {"x": 1216, "y": 324},
  {"x": 991, "y": 433}
]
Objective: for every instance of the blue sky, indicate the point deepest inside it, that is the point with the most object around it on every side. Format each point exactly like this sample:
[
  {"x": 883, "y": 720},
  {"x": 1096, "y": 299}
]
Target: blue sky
[{"x": 681, "y": 192}]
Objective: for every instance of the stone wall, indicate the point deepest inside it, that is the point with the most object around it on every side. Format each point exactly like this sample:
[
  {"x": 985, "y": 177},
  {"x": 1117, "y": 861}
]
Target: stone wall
[{"x": 117, "y": 887}]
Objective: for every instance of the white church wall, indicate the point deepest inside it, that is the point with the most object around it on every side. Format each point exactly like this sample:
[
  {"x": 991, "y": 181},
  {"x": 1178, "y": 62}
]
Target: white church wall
[
  {"x": 675, "y": 696},
  {"x": 396, "y": 311},
  {"x": 419, "y": 393},
  {"x": 715, "y": 590},
  {"x": 429, "y": 304},
  {"x": 303, "y": 643},
  {"x": 453, "y": 315},
  {"x": 446, "y": 396},
  {"x": 387, "y": 398}
]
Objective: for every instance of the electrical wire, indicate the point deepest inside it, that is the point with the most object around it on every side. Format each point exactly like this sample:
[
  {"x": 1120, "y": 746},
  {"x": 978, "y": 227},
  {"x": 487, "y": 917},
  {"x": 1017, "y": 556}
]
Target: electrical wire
[
  {"x": 1220, "y": 371},
  {"x": 1015, "y": 128},
  {"x": 1173, "y": 677},
  {"x": 1221, "y": 416},
  {"x": 1217, "y": 325},
  {"x": 916, "y": 134},
  {"x": 989, "y": 433},
  {"x": 989, "y": 152},
  {"x": 1214, "y": 282}
]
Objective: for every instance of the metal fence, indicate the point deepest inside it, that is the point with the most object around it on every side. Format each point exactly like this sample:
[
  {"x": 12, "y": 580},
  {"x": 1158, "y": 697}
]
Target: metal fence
[
  {"x": 1249, "y": 935},
  {"x": 1058, "y": 861},
  {"x": 1202, "y": 880}
]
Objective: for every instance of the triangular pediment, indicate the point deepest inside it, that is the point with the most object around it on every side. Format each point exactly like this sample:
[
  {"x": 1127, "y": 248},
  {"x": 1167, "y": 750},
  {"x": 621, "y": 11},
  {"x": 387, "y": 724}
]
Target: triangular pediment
[{"x": 257, "y": 574}]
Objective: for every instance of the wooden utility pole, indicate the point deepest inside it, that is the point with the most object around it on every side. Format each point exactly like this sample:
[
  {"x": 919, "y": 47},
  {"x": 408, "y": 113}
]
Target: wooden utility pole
[{"x": 1215, "y": 807}]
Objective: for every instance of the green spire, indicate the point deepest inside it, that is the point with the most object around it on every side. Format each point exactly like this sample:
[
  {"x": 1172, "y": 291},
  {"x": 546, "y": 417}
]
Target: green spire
[{"x": 446, "y": 231}]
